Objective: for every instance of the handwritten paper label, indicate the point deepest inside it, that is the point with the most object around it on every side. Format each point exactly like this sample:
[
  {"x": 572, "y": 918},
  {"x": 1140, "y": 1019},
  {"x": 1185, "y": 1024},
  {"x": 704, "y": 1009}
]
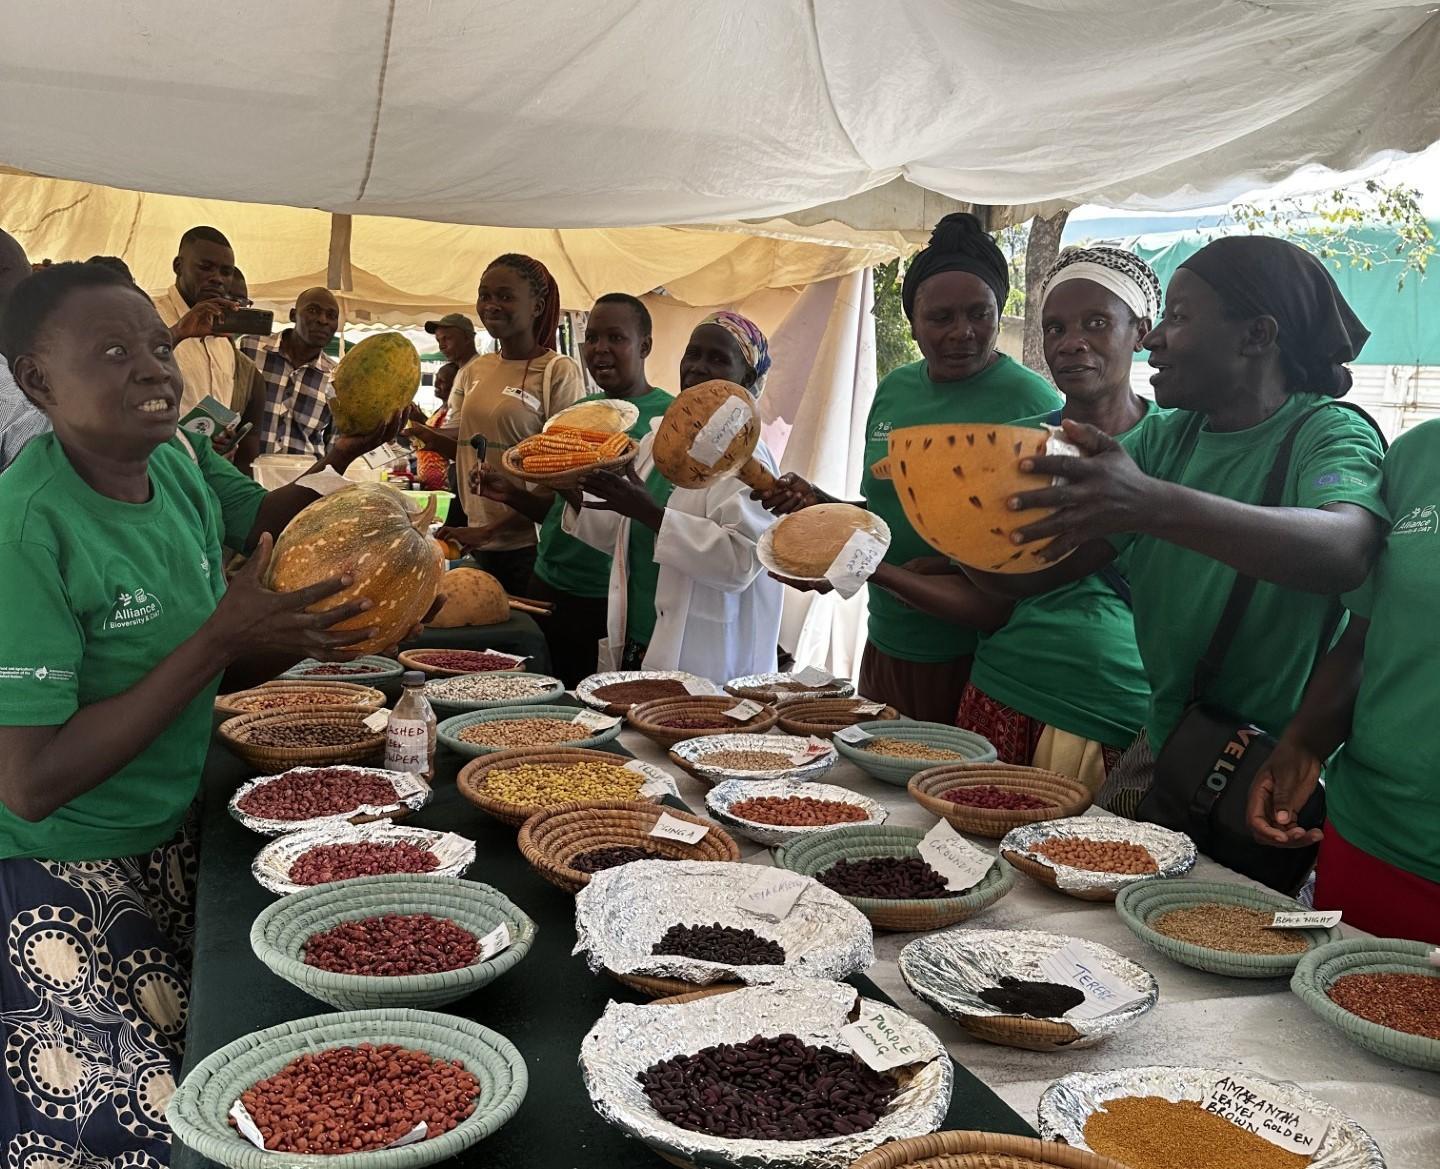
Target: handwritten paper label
[
  {"x": 245, "y": 1124},
  {"x": 1323, "y": 919},
  {"x": 855, "y": 563},
  {"x": 774, "y": 893},
  {"x": 961, "y": 863},
  {"x": 1435, "y": 956},
  {"x": 744, "y": 711},
  {"x": 495, "y": 941},
  {"x": 812, "y": 750},
  {"x": 670, "y": 828},
  {"x": 385, "y": 455},
  {"x": 1075, "y": 964},
  {"x": 1252, "y": 1106},
  {"x": 853, "y": 735},
  {"x": 699, "y": 687},
  {"x": 877, "y": 1038},
  {"x": 813, "y": 676},
  {"x": 715, "y": 437},
  {"x": 325, "y": 482},
  {"x": 524, "y": 397},
  {"x": 657, "y": 783},
  {"x": 868, "y": 707},
  {"x": 377, "y": 722},
  {"x": 593, "y": 720},
  {"x": 500, "y": 653}
]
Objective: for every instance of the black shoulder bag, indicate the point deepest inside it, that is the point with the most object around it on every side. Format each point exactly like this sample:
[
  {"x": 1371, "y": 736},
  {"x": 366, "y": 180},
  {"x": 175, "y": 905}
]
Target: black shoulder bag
[{"x": 1204, "y": 771}]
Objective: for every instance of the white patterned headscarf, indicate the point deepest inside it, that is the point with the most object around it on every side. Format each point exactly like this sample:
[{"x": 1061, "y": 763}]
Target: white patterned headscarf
[{"x": 1121, "y": 272}]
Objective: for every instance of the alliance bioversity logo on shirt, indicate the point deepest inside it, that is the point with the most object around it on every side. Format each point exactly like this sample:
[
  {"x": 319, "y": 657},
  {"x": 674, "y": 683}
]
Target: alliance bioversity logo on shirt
[
  {"x": 1418, "y": 521},
  {"x": 134, "y": 608},
  {"x": 881, "y": 433}
]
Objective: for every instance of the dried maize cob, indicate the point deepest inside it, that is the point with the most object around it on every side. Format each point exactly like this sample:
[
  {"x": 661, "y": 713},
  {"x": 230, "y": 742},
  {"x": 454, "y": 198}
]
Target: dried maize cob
[
  {"x": 591, "y": 436},
  {"x": 560, "y": 443},
  {"x": 558, "y": 462},
  {"x": 614, "y": 446}
]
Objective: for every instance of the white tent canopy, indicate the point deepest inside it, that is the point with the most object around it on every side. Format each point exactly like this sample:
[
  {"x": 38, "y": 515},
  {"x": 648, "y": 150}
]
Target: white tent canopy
[{"x": 641, "y": 112}]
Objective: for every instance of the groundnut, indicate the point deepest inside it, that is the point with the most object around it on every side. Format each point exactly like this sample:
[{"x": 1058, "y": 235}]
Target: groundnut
[
  {"x": 392, "y": 944},
  {"x": 799, "y": 811},
  {"x": 350, "y": 1099},
  {"x": 1101, "y": 856},
  {"x": 341, "y": 862},
  {"x": 326, "y": 791}
]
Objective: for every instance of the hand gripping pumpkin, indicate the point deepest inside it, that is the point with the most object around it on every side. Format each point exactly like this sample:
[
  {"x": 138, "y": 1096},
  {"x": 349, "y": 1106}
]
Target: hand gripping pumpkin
[
  {"x": 708, "y": 432},
  {"x": 365, "y": 532}
]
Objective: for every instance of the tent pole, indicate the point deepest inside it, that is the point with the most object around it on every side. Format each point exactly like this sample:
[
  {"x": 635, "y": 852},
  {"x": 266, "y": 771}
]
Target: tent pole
[{"x": 338, "y": 277}]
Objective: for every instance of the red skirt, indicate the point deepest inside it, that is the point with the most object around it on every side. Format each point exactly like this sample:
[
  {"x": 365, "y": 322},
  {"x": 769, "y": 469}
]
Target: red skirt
[
  {"x": 1374, "y": 895},
  {"x": 1015, "y": 736}
]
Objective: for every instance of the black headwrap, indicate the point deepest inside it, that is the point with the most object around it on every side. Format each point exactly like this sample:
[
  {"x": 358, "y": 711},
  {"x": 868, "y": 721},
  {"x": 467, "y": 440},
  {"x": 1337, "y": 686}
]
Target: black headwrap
[
  {"x": 1259, "y": 276},
  {"x": 958, "y": 244}
]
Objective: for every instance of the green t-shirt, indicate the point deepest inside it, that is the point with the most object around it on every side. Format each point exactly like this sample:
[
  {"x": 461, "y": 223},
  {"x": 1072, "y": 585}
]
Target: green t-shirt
[
  {"x": 1383, "y": 794},
  {"x": 1179, "y": 594},
  {"x": 93, "y": 595},
  {"x": 643, "y": 572},
  {"x": 906, "y": 396},
  {"x": 1068, "y": 657},
  {"x": 569, "y": 565}
]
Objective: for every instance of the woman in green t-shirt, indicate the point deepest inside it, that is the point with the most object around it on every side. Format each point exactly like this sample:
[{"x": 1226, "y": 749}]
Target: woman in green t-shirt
[
  {"x": 115, "y": 625},
  {"x": 953, "y": 295}
]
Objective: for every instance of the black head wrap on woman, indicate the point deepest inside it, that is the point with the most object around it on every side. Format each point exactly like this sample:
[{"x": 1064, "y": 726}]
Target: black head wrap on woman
[
  {"x": 958, "y": 244},
  {"x": 1259, "y": 276}
]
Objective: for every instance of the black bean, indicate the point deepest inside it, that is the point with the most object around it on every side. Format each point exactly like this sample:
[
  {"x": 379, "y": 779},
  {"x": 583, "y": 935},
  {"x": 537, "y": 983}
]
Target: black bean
[
  {"x": 720, "y": 943},
  {"x": 890, "y": 877},
  {"x": 595, "y": 859}
]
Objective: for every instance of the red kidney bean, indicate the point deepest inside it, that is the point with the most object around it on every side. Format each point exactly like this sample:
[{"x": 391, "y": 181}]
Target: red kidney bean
[
  {"x": 326, "y": 791},
  {"x": 340, "y": 862},
  {"x": 413, "y": 943},
  {"x": 472, "y": 661},
  {"x": 986, "y": 795}
]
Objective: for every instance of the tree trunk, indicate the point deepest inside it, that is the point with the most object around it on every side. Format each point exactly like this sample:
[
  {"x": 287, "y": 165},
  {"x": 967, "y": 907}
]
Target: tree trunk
[{"x": 1040, "y": 252}]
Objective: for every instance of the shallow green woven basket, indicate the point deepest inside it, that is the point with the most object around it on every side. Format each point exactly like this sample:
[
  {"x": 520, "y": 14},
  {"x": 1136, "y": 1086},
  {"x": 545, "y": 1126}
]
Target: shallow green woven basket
[
  {"x": 451, "y": 727},
  {"x": 279, "y": 934},
  {"x": 198, "y": 1110},
  {"x": 892, "y": 769},
  {"x": 386, "y": 670},
  {"x": 453, "y": 706},
  {"x": 816, "y": 854},
  {"x": 1140, "y": 903},
  {"x": 1319, "y": 970}
]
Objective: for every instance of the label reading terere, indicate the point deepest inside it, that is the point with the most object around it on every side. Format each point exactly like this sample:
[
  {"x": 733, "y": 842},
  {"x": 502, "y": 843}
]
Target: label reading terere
[
  {"x": 1075, "y": 964},
  {"x": 593, "y": 720},
  {"x": 774, "y": 893},
  {"x": 524, "y": 397},
  {"x": 1252, "y": 1106},
  {"x": 377, "y": 722},
  {"x": 667, "y": 827},
  {"x": 1309, "y": 920},
  {"x": 878, "y": 1039},
  {"x": 961, "y": 863},
  {"x": 853, "y": 735},
  {"x": 744, "y": 711},
  {"x": 855, "y": 563}
]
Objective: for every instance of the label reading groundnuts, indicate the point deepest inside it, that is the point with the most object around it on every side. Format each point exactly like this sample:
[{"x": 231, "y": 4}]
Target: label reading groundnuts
[
  {"x": 1312, "y": 919},
  {"x": 813, "y": 676},
  {"x": 496, "y": 940},
  {"x": 378, "y": 721},
  {"x": 961, "y": 863},
  {"x": 1075, "y": 964},
  {"x": 1251, "y": 1105},
  {"x": 593, "y": 720},
  {"x": 245, "y": 1125},
  {"x": 667, "y": 827},
  {"x": 715, "y": 437},
  {"x": 853, "y": 735},
  {"x": 744, "y": 711},
  {"x": 855, "y": 563},
  {"x": 877, "y": 1037},
  {"x": 774, "y": 893}
]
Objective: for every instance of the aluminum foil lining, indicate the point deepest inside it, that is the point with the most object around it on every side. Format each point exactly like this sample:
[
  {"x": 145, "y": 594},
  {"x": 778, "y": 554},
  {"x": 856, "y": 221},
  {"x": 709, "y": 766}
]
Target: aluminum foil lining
[
  {"x": 1070, "y": 1100},
  {"x": 763, "y": 686},
  {"x": 628, "y": 1039},
  {"x": 624, "y": 911},
  {"x": 271, "y": 865},
  {"x": 585, "y": 691},
  {"x": 692, "y": 752},
  {"x": 949, "y": 970},
  {"x": 723, "y": 796},
  {"x": 1174, "y": 852},
  {"x": 411, "y": 794}
]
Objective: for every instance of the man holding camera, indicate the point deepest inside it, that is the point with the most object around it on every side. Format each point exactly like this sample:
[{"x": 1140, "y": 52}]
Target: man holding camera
[{"x": 297, "y": 374}]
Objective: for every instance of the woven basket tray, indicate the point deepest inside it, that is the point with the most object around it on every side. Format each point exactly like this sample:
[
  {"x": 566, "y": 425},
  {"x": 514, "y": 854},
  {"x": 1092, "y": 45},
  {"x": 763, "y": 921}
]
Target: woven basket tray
[
  {"x": 1320, "y": 968},
  {"x": 1141, "y": 903},
  {"x": 449, "y": 730},
  {"x": 554, "y": 691},
  {"x": 980, "y": 1150},
  {"x": 353, "y": 695},
  {"x": 566, "y": 479},
  {"x": 672, "y": 989},
  {"x": 418, "y": 659},
  {"x": 279, "y": 934},
  {"x": 384, "y": 670},
  {"x": 471, "y": 780},
  {"x": 1071, "y": 797},
  {"x": 816, "y": 854},
  {"x": 233, "y": 732},
  {"x": 197, "y": 1112},
  {"x": 643, "y": 718},
  {"x": 825, "y": 716},
  {"x": 548, "y": 839},
  {"x": 893, "y": 769}
]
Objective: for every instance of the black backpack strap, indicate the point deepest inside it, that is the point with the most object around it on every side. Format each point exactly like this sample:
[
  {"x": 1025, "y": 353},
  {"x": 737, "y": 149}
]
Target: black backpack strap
[{"x": 1113, "y": 577}]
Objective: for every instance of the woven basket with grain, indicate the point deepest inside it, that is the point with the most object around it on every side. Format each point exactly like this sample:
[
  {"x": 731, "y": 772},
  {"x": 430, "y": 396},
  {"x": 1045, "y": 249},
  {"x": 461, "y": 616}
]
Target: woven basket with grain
[
  {"x": 236, "y": 733},
  {"x": 421, "y": 659},
  {"x": 825, "y": 716},
  {"x": 1066, "y": 796},
  {"x": 473, "y": 776},
  {"x": 288, "y": 694},
  {"x": 980, "y": 1150},
  {"x": 511, "y": 461},
  {"x": 650, "y": 719},
  {"x": 550, "y": 838}
]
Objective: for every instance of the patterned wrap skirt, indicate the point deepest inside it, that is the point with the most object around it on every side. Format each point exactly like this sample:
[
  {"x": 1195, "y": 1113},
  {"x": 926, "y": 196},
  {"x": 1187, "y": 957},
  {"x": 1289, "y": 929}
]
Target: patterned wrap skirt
[{"x": 94, "y": 994}]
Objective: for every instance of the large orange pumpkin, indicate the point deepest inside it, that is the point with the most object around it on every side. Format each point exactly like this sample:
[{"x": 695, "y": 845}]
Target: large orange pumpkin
[{"x": 366, "y": 532}]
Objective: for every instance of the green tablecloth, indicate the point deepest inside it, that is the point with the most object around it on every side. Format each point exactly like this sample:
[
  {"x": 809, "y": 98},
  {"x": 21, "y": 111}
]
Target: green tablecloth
[
  {"x": 544, "y": 1006},
  {"x": 519, "y": 635}
]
